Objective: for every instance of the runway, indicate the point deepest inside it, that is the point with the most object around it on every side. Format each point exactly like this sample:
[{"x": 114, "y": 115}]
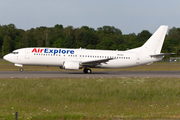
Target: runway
[{"x": 79, "y": 74}]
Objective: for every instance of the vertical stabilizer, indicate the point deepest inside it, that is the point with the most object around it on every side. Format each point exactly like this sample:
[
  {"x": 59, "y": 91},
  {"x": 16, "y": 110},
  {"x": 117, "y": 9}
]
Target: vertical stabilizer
[{"x": 155, "y": 42}]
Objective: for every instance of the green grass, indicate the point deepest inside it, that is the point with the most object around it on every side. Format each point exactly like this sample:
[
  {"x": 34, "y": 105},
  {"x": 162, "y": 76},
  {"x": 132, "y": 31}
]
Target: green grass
[
  {"x": 160, "y": 66},
  {"x": 90, "y": 98}
]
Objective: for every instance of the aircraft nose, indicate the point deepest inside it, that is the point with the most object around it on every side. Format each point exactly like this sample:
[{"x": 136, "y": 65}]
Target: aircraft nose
[
  {"x": 10, "y": 58},
  {"x": 7, "y": 57}
]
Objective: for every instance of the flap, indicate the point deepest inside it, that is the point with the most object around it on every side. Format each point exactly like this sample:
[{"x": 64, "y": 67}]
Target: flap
[{"x": 95, "y": 62}]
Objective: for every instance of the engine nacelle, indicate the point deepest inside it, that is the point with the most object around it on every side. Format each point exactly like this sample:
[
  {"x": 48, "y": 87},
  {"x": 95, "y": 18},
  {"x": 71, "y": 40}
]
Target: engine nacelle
[{"x": 71, "y": 65}]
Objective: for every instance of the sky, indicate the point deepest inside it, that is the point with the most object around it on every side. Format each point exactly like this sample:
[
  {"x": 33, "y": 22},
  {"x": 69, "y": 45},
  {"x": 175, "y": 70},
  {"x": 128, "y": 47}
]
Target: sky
[{"x": 130, "y": 16}]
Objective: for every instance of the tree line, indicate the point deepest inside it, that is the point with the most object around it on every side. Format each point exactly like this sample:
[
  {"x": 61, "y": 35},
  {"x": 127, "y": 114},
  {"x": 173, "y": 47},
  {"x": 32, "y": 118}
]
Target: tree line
[{"x": 106, "y": 38}]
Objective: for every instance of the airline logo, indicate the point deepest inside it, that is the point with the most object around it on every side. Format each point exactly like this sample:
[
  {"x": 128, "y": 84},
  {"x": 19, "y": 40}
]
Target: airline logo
[{"x": 53, "y": 51}]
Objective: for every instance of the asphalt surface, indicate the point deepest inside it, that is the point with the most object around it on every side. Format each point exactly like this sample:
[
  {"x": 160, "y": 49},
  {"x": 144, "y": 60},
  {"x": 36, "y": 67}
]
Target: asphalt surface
[{"x": 60, "y": 74}]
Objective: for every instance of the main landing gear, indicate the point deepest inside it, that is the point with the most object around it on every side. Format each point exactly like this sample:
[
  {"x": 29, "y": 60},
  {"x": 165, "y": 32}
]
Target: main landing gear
[
  {"x": 87, "y": 70},
  {"x": 21, "y": 70}
]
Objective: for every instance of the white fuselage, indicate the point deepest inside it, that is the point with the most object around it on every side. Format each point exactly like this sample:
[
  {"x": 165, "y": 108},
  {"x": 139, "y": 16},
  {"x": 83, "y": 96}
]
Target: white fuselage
[{"x": 42, "y": 57}]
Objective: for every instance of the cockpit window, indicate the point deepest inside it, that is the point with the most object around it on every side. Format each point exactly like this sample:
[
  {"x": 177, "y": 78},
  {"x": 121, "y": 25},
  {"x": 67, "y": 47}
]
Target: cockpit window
[{"x": 15, "y": 52}]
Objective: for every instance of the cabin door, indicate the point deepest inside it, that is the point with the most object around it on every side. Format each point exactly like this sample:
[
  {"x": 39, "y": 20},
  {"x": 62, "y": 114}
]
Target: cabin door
[{"x": 27, "y": 54}]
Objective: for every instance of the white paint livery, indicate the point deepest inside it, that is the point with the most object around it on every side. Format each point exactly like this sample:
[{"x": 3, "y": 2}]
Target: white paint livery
[{"x": 75, "y": 59}]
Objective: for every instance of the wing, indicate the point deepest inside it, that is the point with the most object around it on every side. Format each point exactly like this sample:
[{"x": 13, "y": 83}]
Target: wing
[{"x": 93, "y": 63}]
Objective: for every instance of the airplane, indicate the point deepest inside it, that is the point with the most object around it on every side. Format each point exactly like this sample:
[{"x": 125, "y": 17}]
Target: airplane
[{"x": 75, "y": 59}]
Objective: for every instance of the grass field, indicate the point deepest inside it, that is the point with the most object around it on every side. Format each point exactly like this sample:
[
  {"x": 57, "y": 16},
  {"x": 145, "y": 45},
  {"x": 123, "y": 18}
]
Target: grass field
[
  {"x": 90, "y": 98},
  {"x": 160, "y": 66}
]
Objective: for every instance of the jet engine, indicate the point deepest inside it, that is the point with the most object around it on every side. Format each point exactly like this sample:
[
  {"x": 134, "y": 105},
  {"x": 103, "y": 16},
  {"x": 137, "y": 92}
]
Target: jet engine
[{"x": 71, "y": 65}]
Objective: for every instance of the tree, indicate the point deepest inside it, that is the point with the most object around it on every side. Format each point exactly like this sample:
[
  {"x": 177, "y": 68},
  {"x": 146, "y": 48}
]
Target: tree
[
  {"x": 58, "y": 26},
  {"x": 105, "y": 44},
  {"x": 18, "y": 42},
  {"x": 7, "y": 44},
  {"x": 69, "y": 37},
  {"x": 87, "y": 36},
  {"x": 110, "y": 30},
  {"x": 1, "y": 40},
  {"x": 141, "y": 38},
  {"x": 26, "y": 39},
  {"x": 60, "y": 43},
  {"x": 128, "y": 41},
  {"x": 173, "y": 33},
  {"x": 172, "y": 42},
  {"x": 10, "y": 30}
]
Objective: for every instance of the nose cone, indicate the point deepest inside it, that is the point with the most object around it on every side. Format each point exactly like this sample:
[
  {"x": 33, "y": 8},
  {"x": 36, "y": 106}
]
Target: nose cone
[{"x": 7, "y": 57}]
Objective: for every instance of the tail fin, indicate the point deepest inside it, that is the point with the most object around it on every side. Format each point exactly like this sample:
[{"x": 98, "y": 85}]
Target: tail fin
[{"x": 154, "y": 44}]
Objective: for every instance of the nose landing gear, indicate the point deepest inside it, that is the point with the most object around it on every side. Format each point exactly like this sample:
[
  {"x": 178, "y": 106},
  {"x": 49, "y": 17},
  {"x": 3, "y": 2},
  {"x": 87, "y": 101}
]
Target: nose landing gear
[
  {"x": 19, "y": 65},
  {"x": 87, "y": 70}
]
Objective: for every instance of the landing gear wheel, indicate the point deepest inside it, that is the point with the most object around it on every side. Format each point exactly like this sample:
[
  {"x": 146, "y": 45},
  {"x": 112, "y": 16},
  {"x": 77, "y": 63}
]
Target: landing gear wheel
[
  {"x": 21, "y": 70},
  {"x": 87, "y": 70}
]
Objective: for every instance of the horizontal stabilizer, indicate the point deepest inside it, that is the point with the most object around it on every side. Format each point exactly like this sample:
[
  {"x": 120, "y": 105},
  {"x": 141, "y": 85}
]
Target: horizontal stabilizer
[{"x": 162, "y": 54}]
